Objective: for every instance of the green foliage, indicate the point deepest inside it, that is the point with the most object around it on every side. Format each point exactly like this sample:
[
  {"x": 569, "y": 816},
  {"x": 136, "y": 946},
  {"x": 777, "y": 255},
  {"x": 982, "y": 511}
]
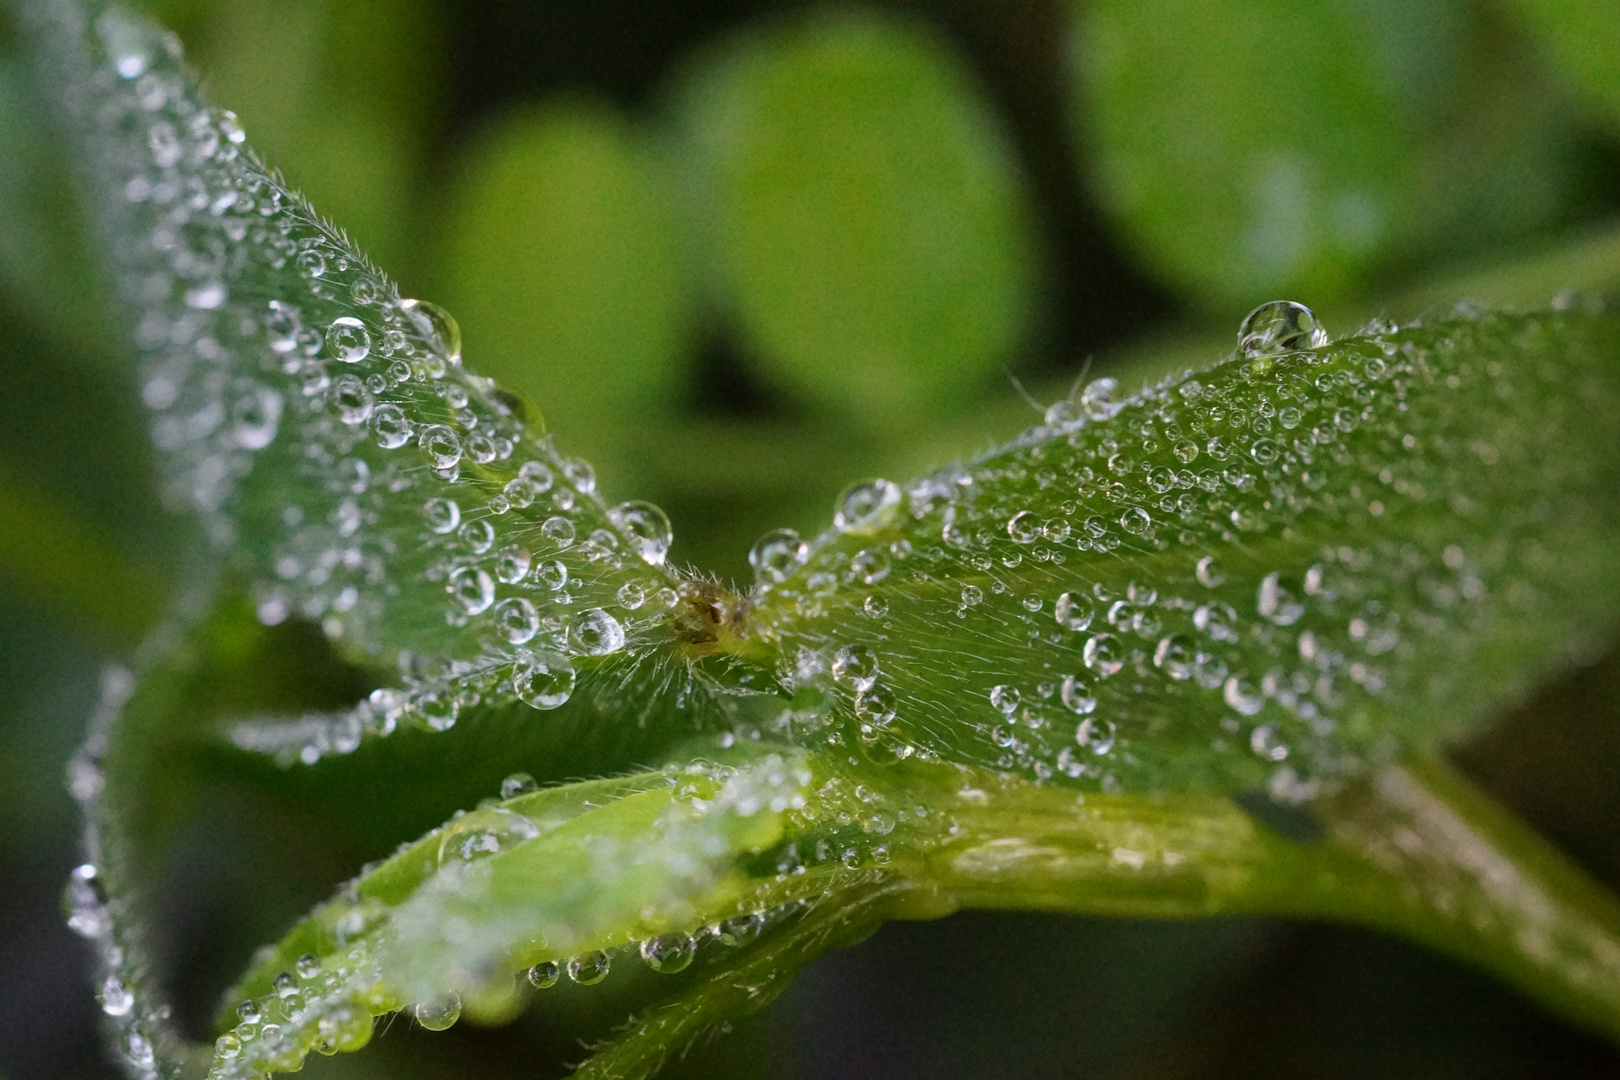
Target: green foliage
[
  {"x": 1577, "y": 37},
  {"x": 1254, "y": 149},
  {"x": 861, "y": 212},
  {"x": 1184, "y": 651}
]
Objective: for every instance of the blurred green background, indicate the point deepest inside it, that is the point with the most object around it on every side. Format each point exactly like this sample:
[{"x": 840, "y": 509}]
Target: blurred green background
[{"x": 742, "y": 253}]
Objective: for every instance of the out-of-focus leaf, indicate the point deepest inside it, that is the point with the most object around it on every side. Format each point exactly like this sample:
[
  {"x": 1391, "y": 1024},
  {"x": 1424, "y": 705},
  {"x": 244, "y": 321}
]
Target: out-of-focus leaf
[
  {"x": 1579, "y": 38},
  {"x": 864, "y": 216},
  {"x": 1258, "y": 149},
  {"x": 340, "y": 94},
  {"x": 562, "y": 255}
]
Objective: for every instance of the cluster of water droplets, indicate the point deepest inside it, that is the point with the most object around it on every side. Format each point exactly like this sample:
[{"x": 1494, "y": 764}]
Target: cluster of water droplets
[
  {"x": 1206, "y": 580},
  {"x": 334, "y": 444}
]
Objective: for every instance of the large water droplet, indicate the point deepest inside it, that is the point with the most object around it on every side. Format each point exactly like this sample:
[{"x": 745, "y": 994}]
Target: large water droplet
[
  {"x": 348, "y": 340},
  {"x": 866, "y": 506},
  {"x": 590, "y": 969},
  {"x": 596, "y": 633},
  {"x": 1279, "y": 327},
  {"x": 1096, "y": 735},
  {"x": 1099, "y": 400},
  {"x": 544, "y": 976},
  {"x": 1005, "y": 698},
  {"x": 352, "y": 399},
  {"x": 648, "y": 528},
  {"x": 440, "y": 445},
  {"x": 670, "y": 953},
  {"x": 1175, "y": 656},
  {"x": 473, "y": 588},
  {"x": 777, "y": 554},
  {"x": 1104, "y": 655},
  {"x": 437, "y": 325},
  {"x": 440, "y": 1013},
  {"x": 855, "y": 666},
  {"x": 517, "y": 618},
  {"x": 1276, "y": 603},
  {"x": 545, "y": 681},
  {"x": 390, "y": 427},
  {"x": 1073, "y": 611}
]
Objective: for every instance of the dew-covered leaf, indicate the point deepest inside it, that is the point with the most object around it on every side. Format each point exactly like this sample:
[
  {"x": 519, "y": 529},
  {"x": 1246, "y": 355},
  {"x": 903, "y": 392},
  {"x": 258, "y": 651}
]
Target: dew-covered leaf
[
  {"x": 863, "y": 213},
  {"x": 339, "y": 455},
  {"x": 1280, "y": 571}
]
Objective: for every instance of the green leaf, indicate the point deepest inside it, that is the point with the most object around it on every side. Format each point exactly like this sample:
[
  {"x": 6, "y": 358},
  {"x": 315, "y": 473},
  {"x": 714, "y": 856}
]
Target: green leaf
[
  {"x": 1283, "y": 570},
  {"x": 563, "y": 256},
  {"x": 1262, "y": 149},
  {"x": 1577, "y": 36},
  {"x": 864, "y": 215}
]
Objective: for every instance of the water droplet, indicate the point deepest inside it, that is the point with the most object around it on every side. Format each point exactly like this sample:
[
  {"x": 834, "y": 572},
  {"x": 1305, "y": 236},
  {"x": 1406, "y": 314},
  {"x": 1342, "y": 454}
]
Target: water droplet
[
  {"x": 437, "y": 325},
  {"x": 1104, "y": 655},
  {"x": 307, "y": 966},
  {"x": 519, "y": 783},
  {"x": 1023, "y": 527},
  {"x": 580, "y": 474},
  {"x": 1096, "y": 735},
  {"x": 648, "y": 528},
  {"x": 440, "y": 1013},
  {"x": 670, "y": 953},
  {"x": 553, "y": 575},
  {"x": 512, "y": 565},
  {"x": 590, "y": 969},
  {"x": 1005, "y": 698},
  {"x": 353, "y": 400},
  {"x": 1063, "y": 414},
  {"x": 1276, "y": 603},
  {"x": 1209, "y": 575},
  {"x": 479, "y": 536},
  {"x": 311, "y": 262},
  {"x": 255, "y": 416},
  {"x": 1136, "y": 521},
  {"x": 544, "y": 976},
  {"x": 1279, "y": 327},
  {"x": 1075, "y": 697},
  {"x": 596, "y": 633},
  {"x": 116, "y": 996},
  {"x": 473, "y": 587},
  {"x": 1073, "y": 611},
  {"x": 1265, "y": 742},
  {"x": 390, "y": 427},
  {"x": 440, "y": 445},
  {"x": 1186, "y": 451},
  {"x": 876, "y": 606},
  {"x": 1241, "y": 695},
  {"x": 1175, "y": 655},
  {"x": 1263, "y": 450},
  {"x": 546, "y": 681},
  {"x": 1099, "y": 399},
  {"x": 870, "y": 565},
  {"x": 348, "y": 340},
  {"x": 971, "y": 596},
  {"x": 559, "y": 530},
  {"x": 518, "y": 619},
  {"x": 866, "y": 506},
  {"x": 777, "y": 554},
  {"x": 855, "y": 666}
]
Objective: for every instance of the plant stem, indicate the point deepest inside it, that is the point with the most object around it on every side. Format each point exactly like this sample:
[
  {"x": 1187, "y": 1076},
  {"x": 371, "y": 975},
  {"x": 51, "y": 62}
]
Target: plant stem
[{"x": 1414, "y": 850}]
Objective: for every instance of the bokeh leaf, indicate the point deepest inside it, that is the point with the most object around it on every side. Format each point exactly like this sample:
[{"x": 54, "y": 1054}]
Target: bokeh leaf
[
  {"x": 563, "y": 255},
  {"x": 1258, "y": 149},
  {"x": 1578, "y": 37},
  {"x": 862, "y": 211}
]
